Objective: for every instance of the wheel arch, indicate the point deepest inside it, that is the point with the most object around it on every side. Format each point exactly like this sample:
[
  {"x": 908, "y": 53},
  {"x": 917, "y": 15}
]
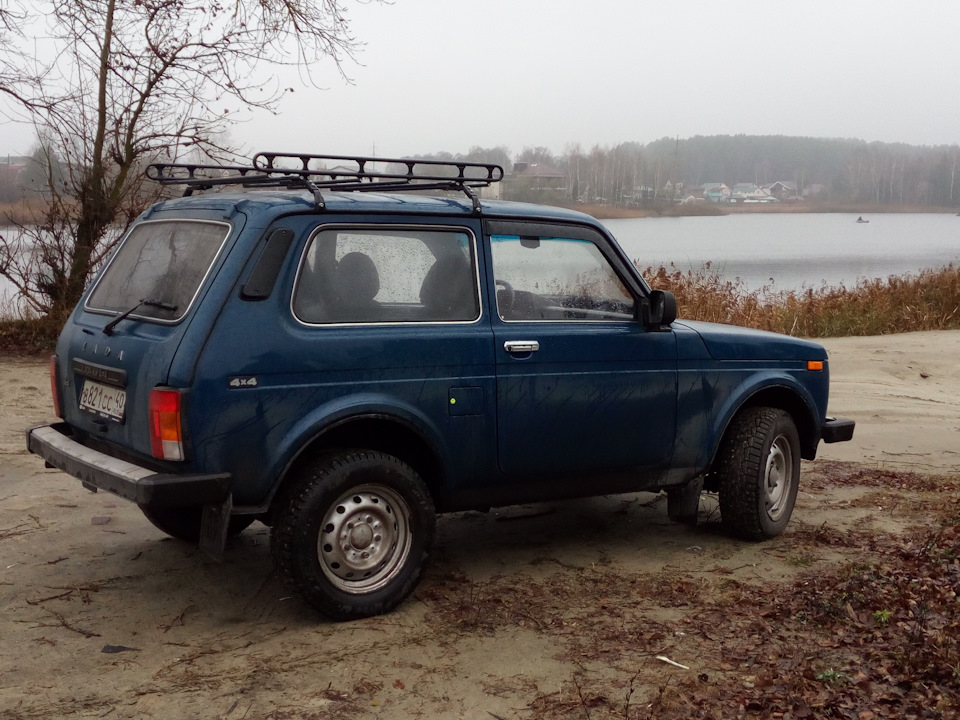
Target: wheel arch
[
  {"x": 380, "y": 432},
  {"x": 785, "y": 397},
  {"x": 802, "y": 413}
]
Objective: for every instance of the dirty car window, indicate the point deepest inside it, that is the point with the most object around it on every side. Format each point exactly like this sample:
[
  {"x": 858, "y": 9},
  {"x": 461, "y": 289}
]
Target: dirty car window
[
  {"x": 165, "y": 261},
  {"x": 384, "y": 275},
  {"x": 556, "y": 279}
]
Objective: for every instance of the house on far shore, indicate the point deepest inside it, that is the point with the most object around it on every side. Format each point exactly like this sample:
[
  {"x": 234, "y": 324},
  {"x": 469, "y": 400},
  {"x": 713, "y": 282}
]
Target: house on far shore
[
  {"x": 540, "y": 176},
  {"x": 781, "y": 190},
  {"x": 537, "y": 182},
  {"x": 715, "y": 192},
  {"x": 750, "y": 193}
]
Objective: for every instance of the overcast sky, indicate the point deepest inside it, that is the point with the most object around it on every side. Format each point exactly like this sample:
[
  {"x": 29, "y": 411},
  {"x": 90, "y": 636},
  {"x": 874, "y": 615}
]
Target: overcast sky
[{"x": 446, "y": 75}]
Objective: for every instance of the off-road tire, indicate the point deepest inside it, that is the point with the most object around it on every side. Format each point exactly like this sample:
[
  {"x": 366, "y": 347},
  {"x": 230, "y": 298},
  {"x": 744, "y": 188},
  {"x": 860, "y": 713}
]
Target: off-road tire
[
  {"x": 758, "y": 473},
  {"x": 353, "y": 533},
  {"x": 184, "y": 523}
]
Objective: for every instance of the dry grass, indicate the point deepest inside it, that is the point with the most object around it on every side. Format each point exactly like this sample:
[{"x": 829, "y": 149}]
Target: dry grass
[
  {"x": 37, "y": 336},
  {"x": 22, "y": 212},
  {"x": 929, "y": 300}
]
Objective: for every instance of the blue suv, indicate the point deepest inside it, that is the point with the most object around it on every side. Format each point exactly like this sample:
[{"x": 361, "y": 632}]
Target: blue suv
[{"x": 341, "y": 352}]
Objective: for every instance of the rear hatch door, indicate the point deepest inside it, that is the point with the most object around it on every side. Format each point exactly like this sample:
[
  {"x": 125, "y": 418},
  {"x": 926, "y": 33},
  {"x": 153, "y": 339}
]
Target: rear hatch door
[{"x": 119, "y": 343}]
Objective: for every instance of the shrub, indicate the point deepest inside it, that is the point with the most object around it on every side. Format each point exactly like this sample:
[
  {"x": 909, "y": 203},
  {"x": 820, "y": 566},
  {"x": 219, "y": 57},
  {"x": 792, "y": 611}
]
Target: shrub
[{"x": 929, "y": 300}]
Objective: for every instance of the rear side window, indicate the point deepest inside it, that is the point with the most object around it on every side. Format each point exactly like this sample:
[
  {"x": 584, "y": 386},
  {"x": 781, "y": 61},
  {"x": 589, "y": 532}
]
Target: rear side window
[
  {"x": 384, "y": 275},
  {"x": 163, "y": 261}
]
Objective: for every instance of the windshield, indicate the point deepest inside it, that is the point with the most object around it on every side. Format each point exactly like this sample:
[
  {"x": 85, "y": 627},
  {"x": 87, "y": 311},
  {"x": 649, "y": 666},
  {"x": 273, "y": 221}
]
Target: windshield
[{"x": 164, "y": 261}]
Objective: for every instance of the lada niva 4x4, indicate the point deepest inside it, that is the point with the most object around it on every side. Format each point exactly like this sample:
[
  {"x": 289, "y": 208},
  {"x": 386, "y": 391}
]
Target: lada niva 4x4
[{"x": 341, "y": 347}]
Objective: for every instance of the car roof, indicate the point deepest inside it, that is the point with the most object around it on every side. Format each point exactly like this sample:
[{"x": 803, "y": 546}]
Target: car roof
[{"x": 276, "y": 203}]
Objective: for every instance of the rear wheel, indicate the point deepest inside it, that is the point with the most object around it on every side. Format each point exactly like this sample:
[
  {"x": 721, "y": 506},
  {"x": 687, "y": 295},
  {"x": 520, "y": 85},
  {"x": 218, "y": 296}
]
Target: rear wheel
[
  {"x": 353, "y": 533},
  {"x": 758, "y": 473},
  {"x": 183, "y": 523}
]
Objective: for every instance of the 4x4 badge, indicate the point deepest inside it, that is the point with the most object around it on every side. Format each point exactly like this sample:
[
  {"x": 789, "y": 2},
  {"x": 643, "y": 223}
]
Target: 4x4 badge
[{"x": 242, "y": 382}]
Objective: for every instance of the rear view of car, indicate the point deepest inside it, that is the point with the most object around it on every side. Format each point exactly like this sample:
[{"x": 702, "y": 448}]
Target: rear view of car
[{"x": 110, "y": 373}]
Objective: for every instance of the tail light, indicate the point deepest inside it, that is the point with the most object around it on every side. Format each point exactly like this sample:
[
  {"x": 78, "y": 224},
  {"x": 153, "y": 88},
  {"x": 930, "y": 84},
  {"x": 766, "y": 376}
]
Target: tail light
[
  {"x": 166, "y": 428},
  {"x": 55, "y": 386}
]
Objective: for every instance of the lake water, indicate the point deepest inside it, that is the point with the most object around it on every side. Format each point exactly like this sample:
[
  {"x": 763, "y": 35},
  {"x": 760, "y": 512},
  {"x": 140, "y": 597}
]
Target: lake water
[{"x": 794, "y": 250}]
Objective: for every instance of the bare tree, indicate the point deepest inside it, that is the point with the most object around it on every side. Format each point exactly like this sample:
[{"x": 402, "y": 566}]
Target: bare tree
[
  {"x": 498, "y": 155},
  {"x": 13, "y": 62},
  {"x": 8, "y": 20},
  {"x": 574, "y": 162},
  {"x": 129, "y": 82}
]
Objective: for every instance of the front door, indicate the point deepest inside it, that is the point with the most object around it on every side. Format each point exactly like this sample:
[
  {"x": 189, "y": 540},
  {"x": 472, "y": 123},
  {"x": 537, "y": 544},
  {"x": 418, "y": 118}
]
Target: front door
[{"x": 582, "y": 385}]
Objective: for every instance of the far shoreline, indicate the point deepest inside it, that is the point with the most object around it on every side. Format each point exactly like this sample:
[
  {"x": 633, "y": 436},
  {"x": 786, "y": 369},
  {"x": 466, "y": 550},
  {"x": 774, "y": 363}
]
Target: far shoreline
[{"x": 615, "y": 212}]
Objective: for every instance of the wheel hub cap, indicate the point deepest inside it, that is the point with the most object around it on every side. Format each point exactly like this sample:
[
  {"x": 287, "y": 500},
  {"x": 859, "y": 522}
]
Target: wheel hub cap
[
  {"x": 778, "y": 477},
  {"x": 361, "y": 536},
  {"x": 365, "y": 539}
]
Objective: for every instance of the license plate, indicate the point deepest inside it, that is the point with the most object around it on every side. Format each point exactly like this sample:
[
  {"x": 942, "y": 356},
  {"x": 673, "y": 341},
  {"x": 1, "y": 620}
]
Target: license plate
[{"x": 104, "y": 400}]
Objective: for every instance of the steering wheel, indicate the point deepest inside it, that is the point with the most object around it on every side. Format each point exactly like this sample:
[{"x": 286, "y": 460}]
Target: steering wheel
[{"x": 509, "y": 295}]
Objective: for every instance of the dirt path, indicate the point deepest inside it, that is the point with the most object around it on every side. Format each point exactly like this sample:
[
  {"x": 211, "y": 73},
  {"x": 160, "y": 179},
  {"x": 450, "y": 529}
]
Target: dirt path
[{"x": 555, "y": 610}]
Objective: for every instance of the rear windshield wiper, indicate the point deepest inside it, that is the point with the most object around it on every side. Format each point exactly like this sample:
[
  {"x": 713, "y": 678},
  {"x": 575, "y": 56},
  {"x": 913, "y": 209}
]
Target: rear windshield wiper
[{"x": 108, "y": 328}]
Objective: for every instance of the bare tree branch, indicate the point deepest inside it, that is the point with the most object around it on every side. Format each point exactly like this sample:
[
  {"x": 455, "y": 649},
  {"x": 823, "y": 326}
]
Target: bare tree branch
[{"x": 127, "y": 83}]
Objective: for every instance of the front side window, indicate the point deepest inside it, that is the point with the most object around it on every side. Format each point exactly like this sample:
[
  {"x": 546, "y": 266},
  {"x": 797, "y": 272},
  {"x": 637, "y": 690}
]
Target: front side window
[
  {"x": 556, "y": 278},
  {"x": 379, "y": 275},
  {"x": 162, "y": 261}
]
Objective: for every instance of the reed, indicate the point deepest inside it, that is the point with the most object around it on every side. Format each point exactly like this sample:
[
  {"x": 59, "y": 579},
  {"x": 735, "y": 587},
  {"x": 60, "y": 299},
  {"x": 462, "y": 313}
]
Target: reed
[
  {"x": 929, "y": 300},
  {"x": 22, "y": 212}
]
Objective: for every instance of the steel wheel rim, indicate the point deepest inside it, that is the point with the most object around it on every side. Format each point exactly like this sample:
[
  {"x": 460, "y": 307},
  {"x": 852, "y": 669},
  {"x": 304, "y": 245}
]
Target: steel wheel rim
[
  {"x": 778, "y": 478},
  {"x": 365, "y": 539}
]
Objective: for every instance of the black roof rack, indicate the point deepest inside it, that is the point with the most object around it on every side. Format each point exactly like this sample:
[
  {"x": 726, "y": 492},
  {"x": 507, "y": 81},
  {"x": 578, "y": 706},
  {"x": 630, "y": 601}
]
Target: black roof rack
[{"x": 349, "y": 173}]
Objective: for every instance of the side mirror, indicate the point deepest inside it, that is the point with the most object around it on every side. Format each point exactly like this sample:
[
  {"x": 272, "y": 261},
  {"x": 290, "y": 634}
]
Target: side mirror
[{"x": 660, "y": 309}]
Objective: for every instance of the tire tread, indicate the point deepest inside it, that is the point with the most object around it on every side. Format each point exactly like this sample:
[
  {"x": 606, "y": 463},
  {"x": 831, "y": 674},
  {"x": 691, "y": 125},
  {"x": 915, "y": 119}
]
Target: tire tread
[{"x": 740, "y": 462}]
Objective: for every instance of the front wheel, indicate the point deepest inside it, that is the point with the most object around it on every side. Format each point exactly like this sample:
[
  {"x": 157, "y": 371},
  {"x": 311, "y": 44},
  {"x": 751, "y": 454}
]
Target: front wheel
[
  {"x": 353, "y": 534},
  {"x": 758, "y": 473}
]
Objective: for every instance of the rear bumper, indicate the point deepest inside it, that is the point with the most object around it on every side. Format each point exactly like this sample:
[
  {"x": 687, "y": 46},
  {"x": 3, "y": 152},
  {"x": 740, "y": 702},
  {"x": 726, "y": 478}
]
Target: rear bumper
[
  {"x": 97, "y": 471},
  {"x": 837, "y": 430}
]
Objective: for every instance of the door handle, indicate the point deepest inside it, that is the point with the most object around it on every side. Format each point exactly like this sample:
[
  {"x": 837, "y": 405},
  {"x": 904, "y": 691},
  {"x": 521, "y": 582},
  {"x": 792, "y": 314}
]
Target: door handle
[{"x": 521, "y": 346}]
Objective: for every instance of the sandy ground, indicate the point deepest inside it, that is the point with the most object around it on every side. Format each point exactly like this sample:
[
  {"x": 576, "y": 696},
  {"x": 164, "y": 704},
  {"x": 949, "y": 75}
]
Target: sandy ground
[
  {"x": 103, "y": 616},
  {"x": 904, "y": 393}
]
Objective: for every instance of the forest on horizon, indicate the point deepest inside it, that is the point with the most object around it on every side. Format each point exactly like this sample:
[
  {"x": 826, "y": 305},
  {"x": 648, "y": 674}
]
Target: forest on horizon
[
  {"x": 821, "y": 170},
  {"x": 835, "y": 170}
]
